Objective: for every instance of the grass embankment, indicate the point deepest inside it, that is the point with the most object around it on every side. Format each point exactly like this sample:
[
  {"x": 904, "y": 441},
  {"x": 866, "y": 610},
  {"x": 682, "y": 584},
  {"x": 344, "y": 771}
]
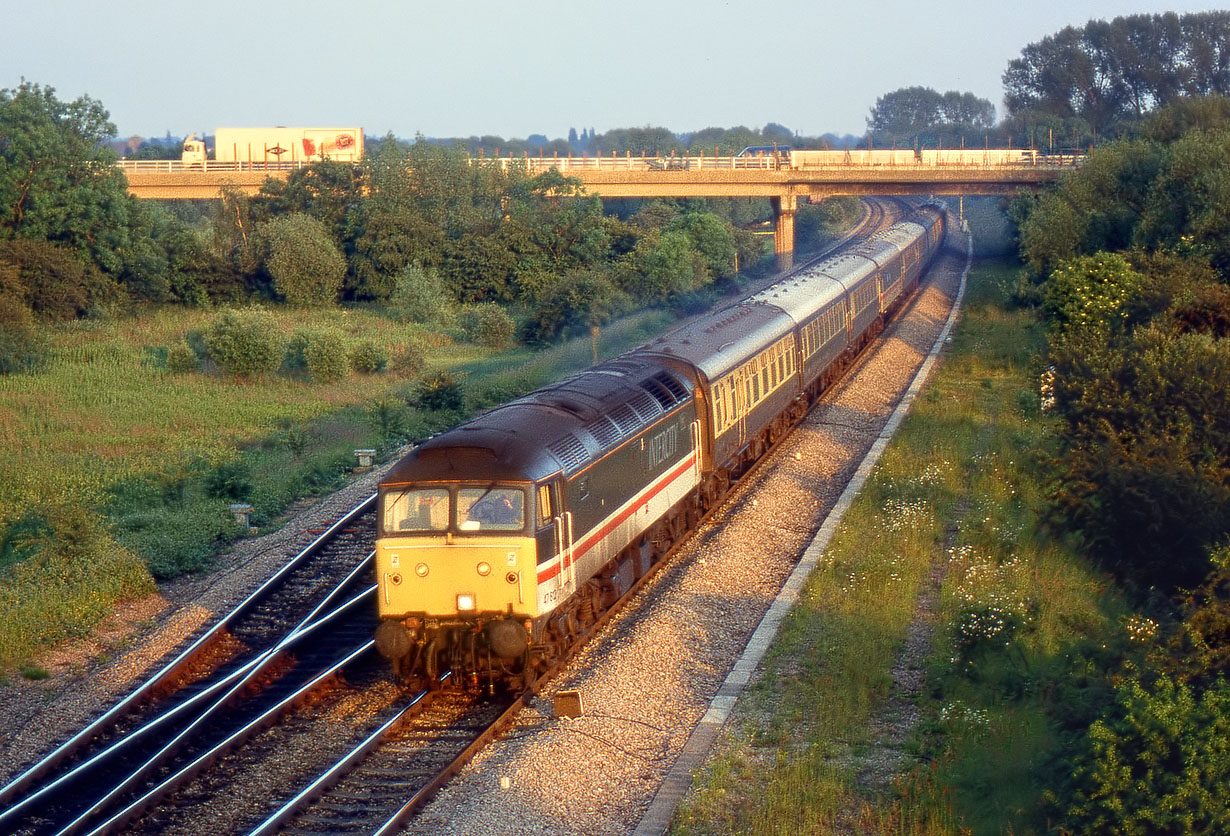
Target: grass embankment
[
  {"x": 951, "y": 517},
  {"x": 114, "y": 470}
]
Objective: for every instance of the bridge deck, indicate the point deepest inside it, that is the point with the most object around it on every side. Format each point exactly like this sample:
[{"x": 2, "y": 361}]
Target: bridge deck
[{"x": 690, "y": 176}]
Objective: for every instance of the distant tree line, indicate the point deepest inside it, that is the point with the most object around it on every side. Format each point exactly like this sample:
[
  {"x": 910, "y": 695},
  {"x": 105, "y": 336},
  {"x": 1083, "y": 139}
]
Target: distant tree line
[{"x": 1072, "y": 89}]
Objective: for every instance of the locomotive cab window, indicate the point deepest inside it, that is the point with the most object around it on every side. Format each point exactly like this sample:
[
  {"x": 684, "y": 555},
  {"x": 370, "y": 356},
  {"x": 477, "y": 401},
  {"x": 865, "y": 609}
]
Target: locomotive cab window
[
  {"x": 490, "y": 509},
  {"x": 416, "y": 509}
]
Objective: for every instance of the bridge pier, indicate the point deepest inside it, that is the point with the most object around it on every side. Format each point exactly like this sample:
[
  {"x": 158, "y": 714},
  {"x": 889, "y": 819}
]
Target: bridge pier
[{"x": 784, "y": 209}]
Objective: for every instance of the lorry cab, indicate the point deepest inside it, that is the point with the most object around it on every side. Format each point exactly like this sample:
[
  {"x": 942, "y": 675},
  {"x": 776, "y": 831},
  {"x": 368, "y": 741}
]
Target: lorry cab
[{"x": 194, "y": 151}]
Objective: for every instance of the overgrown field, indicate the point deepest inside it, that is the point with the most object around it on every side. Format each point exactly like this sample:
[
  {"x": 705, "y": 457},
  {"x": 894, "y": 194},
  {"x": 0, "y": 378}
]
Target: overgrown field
[
  {"x": 116, "y": 470},
  {"x": 1016, "y": 620}
]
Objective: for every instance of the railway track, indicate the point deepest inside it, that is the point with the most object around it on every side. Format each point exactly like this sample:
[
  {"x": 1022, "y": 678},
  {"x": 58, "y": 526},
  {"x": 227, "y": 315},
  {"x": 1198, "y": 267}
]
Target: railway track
[
  {"x": 290, "y": 670},
  {"x": 259, "y": 642}
]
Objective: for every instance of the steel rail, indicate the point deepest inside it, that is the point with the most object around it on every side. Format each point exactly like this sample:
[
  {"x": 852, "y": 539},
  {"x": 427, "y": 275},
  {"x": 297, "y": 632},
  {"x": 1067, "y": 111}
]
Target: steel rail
[
  {"x": 233, "y": 693},
  {"x": 262, "y": 721},
  {"x": 108, "y": 718},
  {"x": 330, "y": 777}
]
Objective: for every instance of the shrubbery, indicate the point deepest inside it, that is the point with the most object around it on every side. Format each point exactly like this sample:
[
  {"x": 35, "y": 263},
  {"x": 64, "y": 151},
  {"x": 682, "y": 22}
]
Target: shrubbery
[
  {"x": 324, "y": 356},
  {"x": 1157, "y": 762},
  {"x": 489, "y": 325},
  {"x": 21, "y": 347},
  {"x": 245, "y": 343},
  {"x": 409, "y": 359},
  {"x": 305, "y": 264},
  {"x": 182, "y": 359},
  {"x": 368, "y": 358},
  {"x": 419, "y": 295}
]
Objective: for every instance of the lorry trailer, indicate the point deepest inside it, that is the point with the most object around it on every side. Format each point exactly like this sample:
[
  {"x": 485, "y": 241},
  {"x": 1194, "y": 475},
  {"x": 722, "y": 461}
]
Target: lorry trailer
[{"x": 277, "y": 145}]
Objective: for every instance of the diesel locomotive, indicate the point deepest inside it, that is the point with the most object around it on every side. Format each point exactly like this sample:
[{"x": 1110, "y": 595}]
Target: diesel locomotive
[{"x": 503, "y": 540}]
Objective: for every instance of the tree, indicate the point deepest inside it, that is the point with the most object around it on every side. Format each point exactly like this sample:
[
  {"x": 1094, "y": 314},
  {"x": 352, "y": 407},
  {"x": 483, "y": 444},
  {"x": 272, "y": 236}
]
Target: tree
[
  {"x": 712, "y": 239},
  {"x": 667, "y": 267},
  {"x": 58, "y": 181},
  {"x": 1098, "y": 209},
  {"x": 914, "y": 116},
  {"x": 637, "y": 141},
  {"x": 328, "y": 191},
  {"x": 306, "y": 267},
  {"x": 1112, "y": 73}
]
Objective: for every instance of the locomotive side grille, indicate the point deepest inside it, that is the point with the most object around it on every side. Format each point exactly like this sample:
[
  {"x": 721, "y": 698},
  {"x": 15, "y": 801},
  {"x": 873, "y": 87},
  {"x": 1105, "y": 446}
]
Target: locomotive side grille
[
  {"x": 672, "y": 385},
  {"x": 571, "y": 452},
  {"x": 606, "y": 433},
  {"x": 645, "y": 406},
  {"x": 629, "y": 422}
]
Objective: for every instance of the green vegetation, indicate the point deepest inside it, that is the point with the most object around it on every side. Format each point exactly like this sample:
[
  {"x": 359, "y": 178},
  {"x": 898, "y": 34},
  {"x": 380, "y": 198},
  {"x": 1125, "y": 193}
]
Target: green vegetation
[{"x": 1064, "y": 480}]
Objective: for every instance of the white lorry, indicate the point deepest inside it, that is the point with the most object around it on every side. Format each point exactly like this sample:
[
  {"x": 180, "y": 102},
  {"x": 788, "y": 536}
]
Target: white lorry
[{"x": 266, "y": 147}]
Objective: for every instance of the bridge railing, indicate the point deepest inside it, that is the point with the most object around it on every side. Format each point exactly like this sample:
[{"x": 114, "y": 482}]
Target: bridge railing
[
  {"x": 210, "y": 165},
  {"x": 795, "y": 161}
]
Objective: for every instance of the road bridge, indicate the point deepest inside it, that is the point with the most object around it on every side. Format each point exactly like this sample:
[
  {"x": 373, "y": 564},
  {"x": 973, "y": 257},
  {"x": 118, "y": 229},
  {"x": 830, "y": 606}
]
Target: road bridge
[{"x": 786, "y": 179}]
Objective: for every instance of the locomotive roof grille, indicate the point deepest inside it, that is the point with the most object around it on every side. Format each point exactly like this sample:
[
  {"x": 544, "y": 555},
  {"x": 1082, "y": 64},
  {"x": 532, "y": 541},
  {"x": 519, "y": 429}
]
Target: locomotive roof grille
[
  {"x": 660, "y": 392},
  {"x": 672, "y": 385}
]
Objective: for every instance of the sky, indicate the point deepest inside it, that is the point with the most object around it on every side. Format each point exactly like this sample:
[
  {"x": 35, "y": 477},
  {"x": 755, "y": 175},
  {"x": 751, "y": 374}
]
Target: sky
[{"x": 520, "y": 67}]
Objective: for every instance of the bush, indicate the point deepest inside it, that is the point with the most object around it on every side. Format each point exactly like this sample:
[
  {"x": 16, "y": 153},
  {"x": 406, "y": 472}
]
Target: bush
[
  {"x": 391, "y": 418},
  {"x": 419, "y": 295},
  {"x": 321, "y": 355},
  {"x": 1097, "y": 291},
  {"x": 325, "y": 356},
  {"x": 572, "y": 304},
  {"x": 441, "y": 392},
  {"x": 230, "y": 480},
  {"x": 66, "y": 575},
  {"x": 52, "y": 279},
  {"x": 181, "y": 359},
  {"x": 368, "y": 358},
  {"x": 245, "y": 343},
  {"x": 409, "y": 359},
  {"x": 21, "y": 349},
  {"x": 305, "y": 264},
  {"x": 1158, "y": 762},
  {"x": 488, "y": 324}
]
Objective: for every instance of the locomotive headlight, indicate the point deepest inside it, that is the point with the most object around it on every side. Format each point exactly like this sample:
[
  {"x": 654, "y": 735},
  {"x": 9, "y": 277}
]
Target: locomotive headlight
[
  {"x": 484, "y": 569},
  {"x": 421, "y": 570},
  {"x": 465, "y": 602}
]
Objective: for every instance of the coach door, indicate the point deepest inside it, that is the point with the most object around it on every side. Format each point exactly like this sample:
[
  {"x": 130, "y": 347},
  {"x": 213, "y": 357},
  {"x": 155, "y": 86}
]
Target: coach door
[{"x": 741, "y": 388}]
